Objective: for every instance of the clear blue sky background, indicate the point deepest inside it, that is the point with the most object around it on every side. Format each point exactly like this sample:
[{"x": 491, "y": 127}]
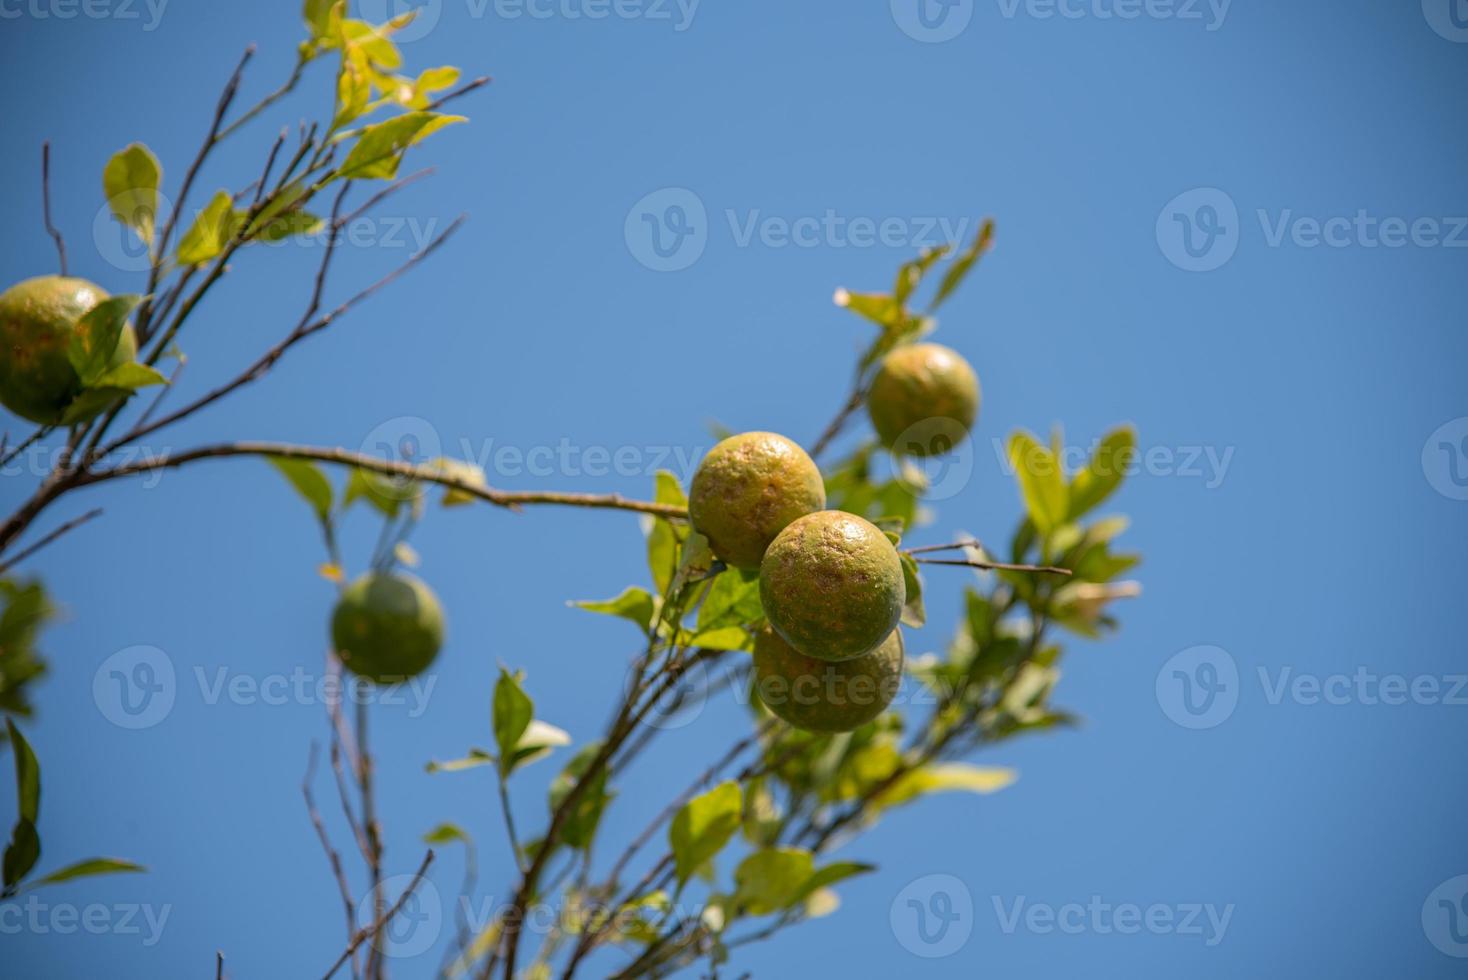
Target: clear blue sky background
[{"x": 1324, "y": 549}]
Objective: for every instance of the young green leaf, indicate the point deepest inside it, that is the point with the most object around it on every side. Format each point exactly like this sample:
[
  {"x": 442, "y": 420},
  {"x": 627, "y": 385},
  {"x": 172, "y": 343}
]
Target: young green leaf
[
  {"x": 27, "y": 774},
  {"x": 21, "y": 855},
  {"x": 309, "y": 482},
  {"x": 475, "y": 758},
  {"x": 1042, "y": 484},
  {"x": 380, "y": 148},
  {"x": 702, "y": 828},
  {"x": 130, "y": 377},
  {"x": 913, "y": 612},
  {"x": 130, "y": 181},
  {"x": 97, "y": 335},
  {"x": 1105, "y": 471},
  {"x": 664, "y": 537},
  {"x": 214, "y": 228},
  {"x": 634, "y": 604},
  {"x": 447, "y": 833},
  {"x": 964, "y": 264},
  {"x": 773, "y": 879},
  {"x": 579, "y": 828},
  {"x": 513, "y": 711},
  {"x": 947, "y": 777},
  {"x": 90, "y": 868}
]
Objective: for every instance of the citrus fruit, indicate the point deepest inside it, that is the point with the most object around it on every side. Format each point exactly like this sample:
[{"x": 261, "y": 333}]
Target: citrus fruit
[
  {"x": 832, "y": 586},
  {"x": 821, "y": 696},
  {"x": 37, "y": 320},
  {"x": 387, "y": 627},
  {"x": 924, "y": 385},
  {"x": 747, "y": 490}
]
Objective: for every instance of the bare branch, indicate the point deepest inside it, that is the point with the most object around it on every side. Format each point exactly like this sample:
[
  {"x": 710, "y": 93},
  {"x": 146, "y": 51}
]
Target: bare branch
[
  {"x": 991, "y": 565},
  {"x": 462, "y": 90},
  {"x": 337, "y": 871},
  {"x": 25, "y": 553},
  {"x": 46, "y": 204},
  {"x": 30, "y": 441},
  {"x": 853, "y": 402},
  {"x": 364, "y": 934}
]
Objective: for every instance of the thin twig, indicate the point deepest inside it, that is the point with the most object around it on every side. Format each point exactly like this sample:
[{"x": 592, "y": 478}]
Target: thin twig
[
  {"x": 1002, "y": 566},
  {"x": 219, "y": 964},
  {"x": 853, "y": 402},
  {"x": 46, "y": 204},
  {"x": 25, "y": 553},
  {"x": 362, "y": 935},
  {"x": 30, "y": 441},
  {"x": 462, "y": 90},
  {"x": 332, "y": 856}
]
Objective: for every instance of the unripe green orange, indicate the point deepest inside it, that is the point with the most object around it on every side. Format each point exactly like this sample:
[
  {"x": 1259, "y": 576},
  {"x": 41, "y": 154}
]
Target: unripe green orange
[
  {"x": 821, "y": 696},
  {"x": 924, "y": 385},
  {"x": 747, "y": 490},
  {"x": 38, "y": 318},
  {"x": 832, "y": 585},
  {"x": 387, "y": 627}
]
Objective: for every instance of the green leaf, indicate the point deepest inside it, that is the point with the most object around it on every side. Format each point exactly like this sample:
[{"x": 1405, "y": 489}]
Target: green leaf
[
  {"x": 732, "y": 600},
  {"x": 831, "y": 874},
  {"x": 130, "y": 181},
  {"x": 703, "y": 827},
  {"x": 21, "y": 853},
  {"x": 964, "y": 264},
  {"x": 309, "y": 482},
  {"x": 380, "y": 148},
  {"x": 318, "y": 14},
  {"x": 1104, "y": 473},
  {"x": 634, "y": 604},
  {"x": 579, "y": 828},
  {"x": 910, "y": 276},
  {"x": 98, "y": 332},
  {"x": 214, "y": 228},
  {"x": 27, "y": 774},
  {"x": 913, "y": 612},
  {"x": 289, "y": 225},
  {"x": 1042, "y": 484},
  {"x": 91, "y": 401},
  {"x": 723, "y": 638},
  {"x": 447, "y": 833},
  {"x": 513, "y": 711},
  {"x": 773, "y": 879},
  {"x": 130, "y": 377},
  {"x": 364, "y": 485},
  {"x": 663, "y": 536},
  {"x": 27, "y": 610},
  {"x": 947, "y": 777},
  {"x": 90, "y": 868},
  {"x": 539, "y": 739},
  {"x": 475, "y": 758},
  {"x": 881, "y": 309},
  {"x": 467, "y": 473}
]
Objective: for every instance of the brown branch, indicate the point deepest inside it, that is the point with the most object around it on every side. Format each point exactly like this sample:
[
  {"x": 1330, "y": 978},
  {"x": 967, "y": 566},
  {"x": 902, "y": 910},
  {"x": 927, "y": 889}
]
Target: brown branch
[
  {"x": 30, "y": 441},
  {"x": 462, "y": 90},
  {"x": 46, "y": 204},
  {"x": 366, "y": 933},
  {"x": 853, "y": 402},
  {"x": 1002, "y": 566},
  {"x": 269, "y": 100},
  {"x": 512, "y": 499},
  {"x": 338, "y": 872},
  {"x": 25, "y": 553}
]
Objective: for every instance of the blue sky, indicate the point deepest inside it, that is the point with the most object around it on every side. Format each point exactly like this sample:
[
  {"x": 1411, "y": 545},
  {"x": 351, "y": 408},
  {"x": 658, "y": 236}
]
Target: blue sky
[{"x": 1232, "y": 225}]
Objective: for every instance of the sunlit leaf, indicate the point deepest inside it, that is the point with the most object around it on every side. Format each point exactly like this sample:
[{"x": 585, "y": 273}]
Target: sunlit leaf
[
  {"x": 702, "y": 828},
  {"x": 308, "y": 481},
  {"x": 130, "y": 182}
]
